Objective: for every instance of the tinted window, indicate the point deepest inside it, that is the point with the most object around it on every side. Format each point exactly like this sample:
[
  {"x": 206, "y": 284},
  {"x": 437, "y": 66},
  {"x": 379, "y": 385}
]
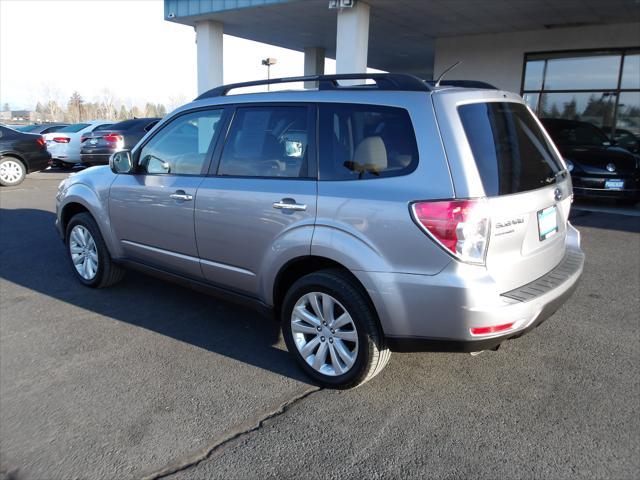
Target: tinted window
[
  {"x": 105, "y": 126},
  {"x": 365, "y": 141},
  {"x": 76, "y": 127},
  {"x": 509, "y": 148},
  {"x": 267, "y": 142},
  {"x": 56, "y": 128},
  {"x": 181, "y": 146},
  {"x": 135, "y": 124}
]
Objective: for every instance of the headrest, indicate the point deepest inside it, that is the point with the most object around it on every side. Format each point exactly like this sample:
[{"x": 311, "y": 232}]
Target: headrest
[{"x": 371, "y": 155}]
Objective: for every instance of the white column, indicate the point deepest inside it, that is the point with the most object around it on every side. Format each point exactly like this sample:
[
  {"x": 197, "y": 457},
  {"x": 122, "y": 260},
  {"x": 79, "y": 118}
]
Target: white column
[
  {"x": 313, "y": 63},
  {"x": 352, "y": 40},
  {"x": 209, "y": 45}
]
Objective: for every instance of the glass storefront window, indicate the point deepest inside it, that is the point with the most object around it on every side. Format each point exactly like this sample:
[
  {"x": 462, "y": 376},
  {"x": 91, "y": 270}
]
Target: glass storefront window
[
  {"x": 601, "y": 88},
  {"x": 531, "y": 99},
  {"x": 594, "y": 108},
  {"x": 631, "y": 72},
  {"x": 533, "y": 75},
  {"x": 582, "y": 73}
]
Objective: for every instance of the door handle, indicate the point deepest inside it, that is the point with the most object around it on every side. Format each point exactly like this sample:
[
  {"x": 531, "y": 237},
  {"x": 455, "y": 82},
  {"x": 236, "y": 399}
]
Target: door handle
[
  {"x": 181, "y": 195},
  {"x": 289, "y": 204}
]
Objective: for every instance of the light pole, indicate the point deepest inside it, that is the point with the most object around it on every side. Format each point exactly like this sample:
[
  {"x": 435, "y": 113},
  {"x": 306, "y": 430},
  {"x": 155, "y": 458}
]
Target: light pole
[{"x": 268, "y": 62}]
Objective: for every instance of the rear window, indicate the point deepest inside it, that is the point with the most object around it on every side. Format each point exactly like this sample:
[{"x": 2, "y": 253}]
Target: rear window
[
  {"x": 365, "y": 141},
  {"x": 76, "y": 127},
  {"x": 510, "y": 150}
]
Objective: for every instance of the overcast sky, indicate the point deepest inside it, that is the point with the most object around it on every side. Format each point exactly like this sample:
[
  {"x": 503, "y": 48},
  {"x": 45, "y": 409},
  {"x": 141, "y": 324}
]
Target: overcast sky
[{"x": 51, "y": 48}]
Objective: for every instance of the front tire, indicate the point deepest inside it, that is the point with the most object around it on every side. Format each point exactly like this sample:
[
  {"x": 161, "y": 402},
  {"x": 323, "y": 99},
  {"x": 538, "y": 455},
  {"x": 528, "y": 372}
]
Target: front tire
[
  {"x": 90, "y": 260},
  {"x": 332, "y": 330},
  {"x": 12, "y": 171}
]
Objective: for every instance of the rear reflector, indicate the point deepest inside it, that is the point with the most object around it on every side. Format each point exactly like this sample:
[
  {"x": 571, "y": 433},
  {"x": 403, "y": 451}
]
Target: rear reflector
[
  {"x": 492, "y": 329},
  {"x": 460, "y": 226},
  {"x": 61, "y": 139}
]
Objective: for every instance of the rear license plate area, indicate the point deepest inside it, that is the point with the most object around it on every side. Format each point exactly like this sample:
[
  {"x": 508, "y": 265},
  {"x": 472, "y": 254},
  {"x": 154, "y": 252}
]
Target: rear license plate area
[{"x": 547, "y": 222}]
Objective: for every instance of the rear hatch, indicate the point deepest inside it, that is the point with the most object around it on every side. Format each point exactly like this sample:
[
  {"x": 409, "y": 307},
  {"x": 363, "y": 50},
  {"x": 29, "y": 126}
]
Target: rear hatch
[{"x": 501, "y": 152}]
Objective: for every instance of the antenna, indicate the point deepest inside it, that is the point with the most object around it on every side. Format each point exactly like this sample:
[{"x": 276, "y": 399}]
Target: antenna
[{"x": 447, "y": 70}]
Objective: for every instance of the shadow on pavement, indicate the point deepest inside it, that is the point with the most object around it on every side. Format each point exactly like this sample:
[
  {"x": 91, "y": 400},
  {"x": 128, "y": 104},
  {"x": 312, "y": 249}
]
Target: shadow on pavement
[
  {"x": 34, "y": 257},
  {"x": 608, "y": 221}
]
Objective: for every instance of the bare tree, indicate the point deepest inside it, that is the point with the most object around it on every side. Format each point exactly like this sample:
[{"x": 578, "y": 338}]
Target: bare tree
[{"x": 74, "y": 108}]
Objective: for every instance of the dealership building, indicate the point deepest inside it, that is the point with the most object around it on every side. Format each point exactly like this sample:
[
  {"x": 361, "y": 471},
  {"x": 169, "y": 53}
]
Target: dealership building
[{"x": 577, "y": 59}]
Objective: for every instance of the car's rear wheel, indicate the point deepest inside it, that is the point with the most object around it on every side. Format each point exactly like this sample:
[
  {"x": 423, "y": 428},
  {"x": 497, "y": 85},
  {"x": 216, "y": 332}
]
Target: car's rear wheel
[
  {"x": 331, "y": 328},
  {"x": 12, "y": 171},
  {"x": 88, "y": 254}
]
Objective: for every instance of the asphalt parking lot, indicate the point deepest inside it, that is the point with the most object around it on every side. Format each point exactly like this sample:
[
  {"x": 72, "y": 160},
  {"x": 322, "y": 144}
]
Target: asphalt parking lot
[{"x": 151, "y": 380}]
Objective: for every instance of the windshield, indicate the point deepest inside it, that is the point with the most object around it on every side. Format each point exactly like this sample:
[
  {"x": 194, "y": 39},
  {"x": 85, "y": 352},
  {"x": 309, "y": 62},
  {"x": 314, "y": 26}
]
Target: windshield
[
  {"x": 510, "y": 149},
  {"x": 76, "y": 127},
  {"x": 577, "y": 134}
]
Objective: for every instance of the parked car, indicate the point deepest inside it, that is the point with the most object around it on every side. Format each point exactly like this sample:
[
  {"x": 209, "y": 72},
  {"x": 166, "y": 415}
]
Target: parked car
[
  {"x": 41, "y": 128},
  {"x": 20, "y": 153},
  {"x": 98, "y": 146},
  {"x": 395, "y": 216},
  {"x": 597, "y": 166},
  {"x": 624, "y": 138},
  {"x": 64, "y": 145}
]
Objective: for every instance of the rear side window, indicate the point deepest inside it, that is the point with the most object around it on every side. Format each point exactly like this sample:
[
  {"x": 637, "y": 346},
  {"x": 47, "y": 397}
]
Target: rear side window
[
  {"x": 365, "y": 141},
  {"x": 76, "y": 127},
  {"x": 267, "y": 142},
  {"x": 509, "y": 148}
]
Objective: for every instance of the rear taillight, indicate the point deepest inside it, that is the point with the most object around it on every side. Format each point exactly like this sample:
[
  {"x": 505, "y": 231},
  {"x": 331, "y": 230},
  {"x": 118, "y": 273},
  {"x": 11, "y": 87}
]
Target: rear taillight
[
  {"x": 40, "y": 141},
  {"x": 61, "y": 139},
  {"x": 459, "y": 226},
  {"x": 83, "y": 139},
  {"x": 113, "y": 138}
]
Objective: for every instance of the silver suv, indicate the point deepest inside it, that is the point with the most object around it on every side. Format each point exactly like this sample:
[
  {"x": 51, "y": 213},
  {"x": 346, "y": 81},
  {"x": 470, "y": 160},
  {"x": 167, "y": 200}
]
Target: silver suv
[{"x": 394, "y": 215}]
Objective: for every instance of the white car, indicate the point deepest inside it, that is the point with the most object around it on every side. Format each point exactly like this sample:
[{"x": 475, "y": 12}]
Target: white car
[{"x": 64, "y": 145}]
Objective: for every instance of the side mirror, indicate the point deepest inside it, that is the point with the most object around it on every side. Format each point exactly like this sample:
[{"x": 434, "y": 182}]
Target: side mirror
[{"x": 121, "y": 162}]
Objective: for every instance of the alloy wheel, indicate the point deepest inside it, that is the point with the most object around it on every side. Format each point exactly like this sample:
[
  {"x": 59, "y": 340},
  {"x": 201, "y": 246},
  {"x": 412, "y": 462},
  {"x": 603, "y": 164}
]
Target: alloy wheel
[
  {"x": 84, "y": 252},
  {"x": 324, "y": 333}
]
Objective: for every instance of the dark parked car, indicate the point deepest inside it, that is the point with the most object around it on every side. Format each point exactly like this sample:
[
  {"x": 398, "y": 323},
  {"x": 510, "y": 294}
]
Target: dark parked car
[
  {"x": 598, "y": 167},
  {"x": 20, "y": 153},
  {"x": 97, "y": 147},
  {"x": 41, "y": 128}
]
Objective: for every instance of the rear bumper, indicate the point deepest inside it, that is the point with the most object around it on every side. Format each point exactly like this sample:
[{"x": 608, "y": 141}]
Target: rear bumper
[{"x": 425, "y": 313}]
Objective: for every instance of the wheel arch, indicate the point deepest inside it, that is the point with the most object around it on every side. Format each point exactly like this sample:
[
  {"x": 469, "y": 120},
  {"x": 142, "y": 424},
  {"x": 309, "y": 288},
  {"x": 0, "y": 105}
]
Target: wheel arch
[
  {"x": 80, "y": 198},
  {"x": 16, "y": 156},
  {"x": 298, "y": 267}
]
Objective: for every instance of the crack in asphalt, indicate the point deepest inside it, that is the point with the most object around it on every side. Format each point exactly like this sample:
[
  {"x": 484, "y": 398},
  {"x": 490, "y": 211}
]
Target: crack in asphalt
[{"x": 227, "y": 437}]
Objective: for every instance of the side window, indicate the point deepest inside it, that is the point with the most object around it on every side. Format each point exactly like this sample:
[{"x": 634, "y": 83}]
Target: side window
[
  {"x": 267, "y": 142},
  {"x": 181, "y": 146},
  {"x": 365, "y": 141}
]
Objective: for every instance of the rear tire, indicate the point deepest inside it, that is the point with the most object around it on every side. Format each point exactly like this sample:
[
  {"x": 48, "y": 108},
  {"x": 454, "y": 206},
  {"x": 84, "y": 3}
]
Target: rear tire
[
  {"x": 332, "y": 330},
  {"x": 90, "y": 260},
  {"x": 12, "y": 171}
]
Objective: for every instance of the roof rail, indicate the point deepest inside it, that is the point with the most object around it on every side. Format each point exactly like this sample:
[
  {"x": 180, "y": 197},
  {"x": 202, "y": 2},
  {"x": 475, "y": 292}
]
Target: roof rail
[{"x": 383, "y": 81}]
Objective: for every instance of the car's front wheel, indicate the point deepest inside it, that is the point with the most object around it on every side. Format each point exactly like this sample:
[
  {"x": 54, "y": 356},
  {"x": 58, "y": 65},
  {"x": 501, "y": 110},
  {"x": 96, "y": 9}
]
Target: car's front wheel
[
  {"x": 12, "y": 171},
  {"x": 331, "y": 328},
  {"x": 88, "y": 254}
]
